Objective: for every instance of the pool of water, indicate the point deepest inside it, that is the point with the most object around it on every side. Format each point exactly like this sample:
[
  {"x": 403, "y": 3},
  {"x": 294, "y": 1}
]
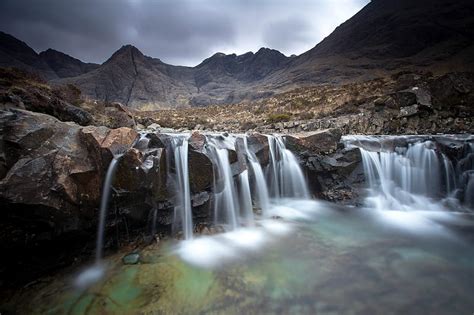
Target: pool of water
[{"x": 312, "y": 258}]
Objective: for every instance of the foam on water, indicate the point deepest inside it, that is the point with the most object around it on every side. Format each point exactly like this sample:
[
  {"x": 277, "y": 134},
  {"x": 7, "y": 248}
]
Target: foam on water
[{"x": 89, "y": 276}]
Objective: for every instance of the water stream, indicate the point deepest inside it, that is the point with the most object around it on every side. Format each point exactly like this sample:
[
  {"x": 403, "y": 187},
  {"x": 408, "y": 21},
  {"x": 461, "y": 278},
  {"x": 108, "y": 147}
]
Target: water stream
[{"x": 409, "y": 249}]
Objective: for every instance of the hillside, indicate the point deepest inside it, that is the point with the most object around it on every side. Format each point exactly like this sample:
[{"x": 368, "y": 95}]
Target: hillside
[{"x": 385, "y": 37}]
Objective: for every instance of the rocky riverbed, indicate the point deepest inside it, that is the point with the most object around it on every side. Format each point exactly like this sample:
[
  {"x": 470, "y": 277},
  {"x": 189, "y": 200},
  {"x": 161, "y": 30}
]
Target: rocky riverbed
[{"x": 55, "y": 151}]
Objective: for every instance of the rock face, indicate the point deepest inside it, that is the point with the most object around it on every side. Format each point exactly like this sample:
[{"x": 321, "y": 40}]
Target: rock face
[
  {"x": 64, "y": 65},
  {"x": 51, "y": 181},
  {"x": 140, "y": 81},
  {"x": 19, "y": 91},
  {"x": 334, "y": 173},
  {"x": 387, "y": 35}
]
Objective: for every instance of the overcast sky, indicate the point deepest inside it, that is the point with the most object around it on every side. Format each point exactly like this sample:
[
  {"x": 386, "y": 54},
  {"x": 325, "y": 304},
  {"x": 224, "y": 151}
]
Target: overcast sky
[{"x": 180, "y": 32}]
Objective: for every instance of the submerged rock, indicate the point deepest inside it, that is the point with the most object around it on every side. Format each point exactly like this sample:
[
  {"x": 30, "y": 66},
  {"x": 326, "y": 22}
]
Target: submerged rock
[{"x": 131, "y": 259}]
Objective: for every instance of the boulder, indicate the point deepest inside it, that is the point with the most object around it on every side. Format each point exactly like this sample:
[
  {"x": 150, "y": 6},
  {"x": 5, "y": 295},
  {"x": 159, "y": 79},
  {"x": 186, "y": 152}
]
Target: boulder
[
  {"x": 200, "y": 171},
  {"x": 104, "y": 143},
  {"x": 197, "y": 141},
  {"x": 53, "y": 171},
  {"x": 258, "y": 144},
  {"x": 317, "y": 142},
  {"x": 408, "y": 111},
  {"x": 336, "y": 177}
]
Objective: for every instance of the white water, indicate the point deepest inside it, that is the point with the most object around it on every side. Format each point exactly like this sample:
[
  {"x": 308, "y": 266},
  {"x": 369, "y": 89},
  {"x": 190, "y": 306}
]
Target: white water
[
  {"x": 109, "y": 177},
  {"x": 285, "y": 176},
  {"x": 245, "y": 198},
  {"x": 183, "y": 217},
  {"x": 411, "y": 177},
  {"x": 225, "y": 197},
  {"x": 260, "y": 187}
]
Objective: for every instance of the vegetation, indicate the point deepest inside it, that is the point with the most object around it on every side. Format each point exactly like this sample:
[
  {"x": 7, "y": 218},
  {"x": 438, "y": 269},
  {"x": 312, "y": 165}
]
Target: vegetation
[{"x": 276, "y": 118}]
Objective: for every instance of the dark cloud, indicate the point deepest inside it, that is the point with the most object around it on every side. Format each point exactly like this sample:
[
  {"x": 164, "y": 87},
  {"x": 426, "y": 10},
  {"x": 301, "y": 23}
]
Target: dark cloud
[{"x": 176, "y": 31}]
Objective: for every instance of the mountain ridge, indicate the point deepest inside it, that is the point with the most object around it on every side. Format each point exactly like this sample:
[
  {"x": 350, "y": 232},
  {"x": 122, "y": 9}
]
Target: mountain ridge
[{"x": 382, "y": 38}]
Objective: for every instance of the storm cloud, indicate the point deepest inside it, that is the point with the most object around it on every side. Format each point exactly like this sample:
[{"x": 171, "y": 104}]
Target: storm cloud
[{"x": 181, "y": 32}]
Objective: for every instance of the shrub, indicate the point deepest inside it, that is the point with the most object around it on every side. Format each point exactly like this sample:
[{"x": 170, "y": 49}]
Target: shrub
[{"x": 276, "y": 118}]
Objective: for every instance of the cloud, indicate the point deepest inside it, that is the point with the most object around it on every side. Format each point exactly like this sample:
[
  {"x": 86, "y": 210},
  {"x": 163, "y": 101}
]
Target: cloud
[{"x": 176, "y": 31}]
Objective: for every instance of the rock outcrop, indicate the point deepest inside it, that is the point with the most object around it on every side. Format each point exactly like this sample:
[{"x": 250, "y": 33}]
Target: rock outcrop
[
  {"x": 334, "y": 172},
  {"x": 51, "y": 181}
]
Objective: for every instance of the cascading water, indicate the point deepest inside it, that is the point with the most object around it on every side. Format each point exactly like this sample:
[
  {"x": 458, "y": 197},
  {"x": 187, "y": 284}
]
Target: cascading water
[
  {"x": 284, "y": 173},
  {"x": 260, "y": 189},
  {"x": 183, "y": 218},
  {"x": 225, "y": 197},
  {"x": 109, "y": 177},
  {"x": 245, "y": 199},
  {"x": 413, "y": 174}
]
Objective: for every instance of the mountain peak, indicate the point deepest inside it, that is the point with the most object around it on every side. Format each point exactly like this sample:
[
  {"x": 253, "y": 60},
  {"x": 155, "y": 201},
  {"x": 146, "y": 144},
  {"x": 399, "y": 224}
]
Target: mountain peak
[{"x": 125, "y": 52}]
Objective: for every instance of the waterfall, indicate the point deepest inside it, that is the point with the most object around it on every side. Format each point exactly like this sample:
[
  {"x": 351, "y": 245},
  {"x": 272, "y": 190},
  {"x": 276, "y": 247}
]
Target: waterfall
[
  {"x": 285, "y": 176},
  {"x": 183, "y": 218},
  {"x": 411, "y": 173},
  {"x": 225, "y": 197},
  {"x": 109, "y": 177},
  {"x": 261, "y": 189},
  {"x": 245, "y": 198},
  {"x": 239, "y": 179}
]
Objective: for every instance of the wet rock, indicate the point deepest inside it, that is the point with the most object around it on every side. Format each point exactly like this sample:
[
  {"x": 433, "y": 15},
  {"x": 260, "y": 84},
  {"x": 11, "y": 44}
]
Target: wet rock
[
  {"x": 200, "y": 171},
  {"x": 130, "y": 175},
  {"x": 197, "y": 141},
  {"x": 104, "y": 143},
  {"x": 154, "y": 127},
  {"x": 53, "y": 177},
  {"x": 47, "y": 163},
  {"x": 258, "y": 144},
  {"x": 336, "y": 177},
  {"x": 200, "y": 198},
  {"x": 131, "y": 259},
  {"x": 317, "y": 142}
]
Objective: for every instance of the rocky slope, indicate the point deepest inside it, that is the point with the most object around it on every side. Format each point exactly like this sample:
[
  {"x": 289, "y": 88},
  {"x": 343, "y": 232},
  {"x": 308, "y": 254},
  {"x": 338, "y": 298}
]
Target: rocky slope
[
  {"x": 15, "y": 53},
  {"x": 404, "y": 103},
  {"x": 139, "y": 81},
  {"x": 49, "y": 64},
  {"x": 64, "y": 65},
  {"x": 383, "y": 38}
]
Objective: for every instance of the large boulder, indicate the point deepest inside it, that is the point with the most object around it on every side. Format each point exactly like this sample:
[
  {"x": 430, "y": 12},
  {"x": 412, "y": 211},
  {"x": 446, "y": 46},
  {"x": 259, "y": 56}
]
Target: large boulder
[
  {"x": 316, "y": 142},
  {"x": 51, "y": 173},
  {"x": 336, "y": 177}
]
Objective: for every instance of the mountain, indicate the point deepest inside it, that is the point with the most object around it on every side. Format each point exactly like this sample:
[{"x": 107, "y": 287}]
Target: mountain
[
  {"x": 385, "y": 37},
  {"x": 143, "y": 82},
  {"x": 49, "y": 64},
  {"x": 64, "y": 65},
  {"x": 15, "y": 53}
]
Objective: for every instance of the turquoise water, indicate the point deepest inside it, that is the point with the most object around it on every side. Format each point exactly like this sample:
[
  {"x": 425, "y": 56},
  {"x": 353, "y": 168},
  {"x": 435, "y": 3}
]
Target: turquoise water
[{"x": 318, "y": 259}]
